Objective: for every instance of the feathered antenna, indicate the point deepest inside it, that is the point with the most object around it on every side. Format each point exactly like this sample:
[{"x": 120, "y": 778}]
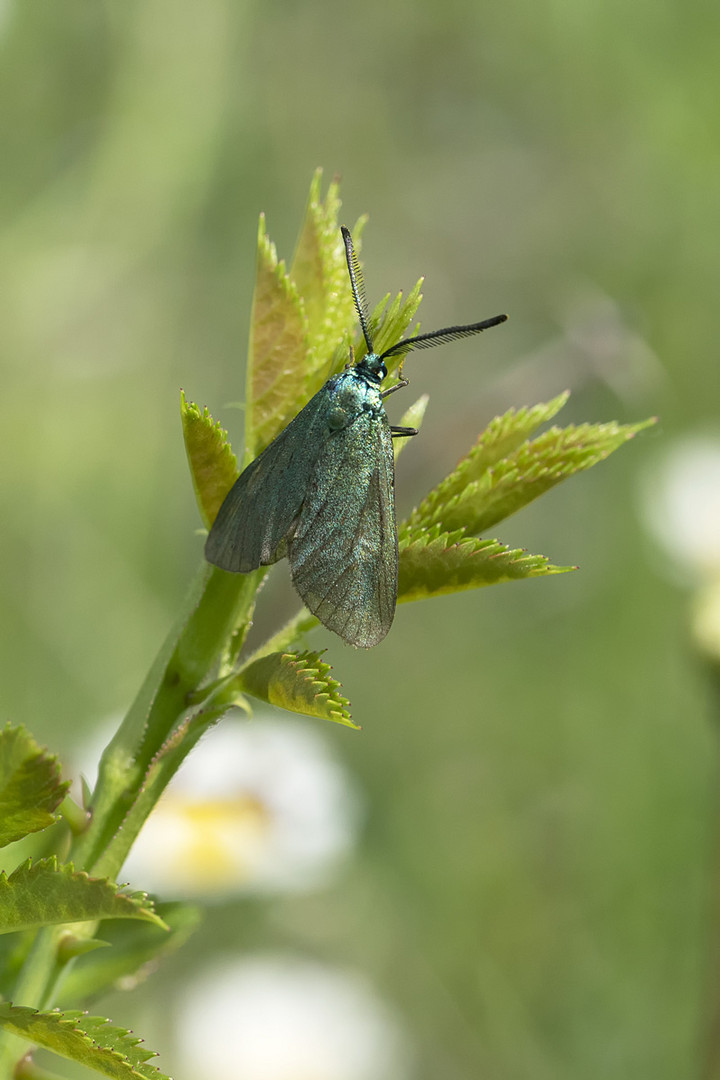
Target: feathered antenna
[
  {"x": 437, "y": 337},
  {"x": 358, "y": 286}
]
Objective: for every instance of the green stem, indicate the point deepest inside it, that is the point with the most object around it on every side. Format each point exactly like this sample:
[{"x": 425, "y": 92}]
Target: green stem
[
  {"x": 301, "y": 622},
  {"x": 26, "y": 1069},
  {"x": 34, "y": 986},
  {"x": 216, "y": 605},
  {"x": 76, "y": 818},
  {"x": 158, "y": 777}
]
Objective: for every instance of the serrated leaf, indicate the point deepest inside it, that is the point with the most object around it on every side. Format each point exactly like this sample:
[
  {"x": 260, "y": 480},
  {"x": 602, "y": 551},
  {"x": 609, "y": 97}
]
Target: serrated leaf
[
  {"x": 507, "y": 432},
  {"x": 396, "y": 321},
  {"x": 279, "y": 347},
  {"x": 299, "y": 682},
  {"x": 319, "y": 270},
  {"x": 501, "y": 437},
  {"x": 213, "y": 465},
  {"x": 434, "y": 562},
  {"x": 412, "y": 417},
  {"x": 313, "y": 253},
  {"x": 45, "y": 894},
  {"x": 87, "y": 1040},
  {"x": 30, "y": 785},
  {"x": 137, "y": 948},
  {"x": 387, "y": 326},
  {"x": 520, "y": 477},
  {"x": 533, "y": 469}
]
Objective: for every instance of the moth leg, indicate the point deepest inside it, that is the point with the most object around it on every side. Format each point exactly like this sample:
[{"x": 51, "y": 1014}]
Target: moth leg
[
  {"x": 397, "y": 386},
  {"x": 403, "y": 432}
]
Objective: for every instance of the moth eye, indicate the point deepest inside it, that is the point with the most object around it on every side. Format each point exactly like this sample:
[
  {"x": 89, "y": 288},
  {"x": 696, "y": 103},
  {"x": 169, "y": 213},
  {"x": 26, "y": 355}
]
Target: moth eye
[{"x": 337, "y": 418}]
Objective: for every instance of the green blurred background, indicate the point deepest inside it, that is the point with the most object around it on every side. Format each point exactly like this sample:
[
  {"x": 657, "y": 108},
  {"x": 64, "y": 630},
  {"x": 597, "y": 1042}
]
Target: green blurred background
[{"x": 532, "y": 891}]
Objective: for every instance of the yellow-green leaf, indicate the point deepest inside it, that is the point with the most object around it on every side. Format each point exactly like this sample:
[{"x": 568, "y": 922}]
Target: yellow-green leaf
[
  {"x": 87, "y": 1040},
  {"x": 412, "y": 417},
  {"x": 30, "y": 785},
  {"x": 501, "y": 437},
  {"x": 279, "y": 347},
  {"x": 299, "y": 682},
  {"x": 45, "y": 894},
  {"x": 213, "y": 465},
  {"x": 433, "y": 563},
  {"x": 395, "y": 322},
  {"x": 486, "y": 488},
  {"x": 319, "y": 271}
]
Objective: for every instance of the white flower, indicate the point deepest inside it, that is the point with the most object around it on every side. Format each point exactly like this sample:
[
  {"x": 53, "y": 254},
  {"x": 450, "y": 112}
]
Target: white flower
[
  {"x": 282, "y": 1019},
  {"x": 260, "y": 805},
  {"x": 705, "y": 620},
  {"x": 681, "y": 505}
]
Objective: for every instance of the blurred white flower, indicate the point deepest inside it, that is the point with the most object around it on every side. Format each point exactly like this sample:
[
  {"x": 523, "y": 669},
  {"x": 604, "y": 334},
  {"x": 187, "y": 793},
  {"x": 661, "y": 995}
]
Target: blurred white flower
[
  {"x": 706, "y": 620},
  {"x": 680, "y": 502},
  {"x": 681, "y": 506},
  {"x": 259, "y": 806},
  {"x": 282, "y": 1019}
]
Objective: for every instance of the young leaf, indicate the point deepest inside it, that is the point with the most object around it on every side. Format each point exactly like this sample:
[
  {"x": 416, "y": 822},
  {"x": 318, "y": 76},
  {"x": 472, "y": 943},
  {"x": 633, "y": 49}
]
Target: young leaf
[
  {"x": 72, "y": 945},
  {"x": 536, "y": 467},
  {"x": 507, "y": 432},
  {"x": 387, "y": 326},
  {"x": 478, "y": 503},
  {"x": 136, "y": 950},
  {"x": 412, "y": 417},
  {"x": 87, "y": 1040},
  {"x": 30, "y": 785},
  {"x": 213, "y": 466},
  {"x": 319, "y": 271},
  {"x": 299, "y": 682},
  {"x": 45, "y": 894},
  {"x": 396, "y": 322},
  {"x": 501, "y": 437},
  {"x": 276, "y": 376},
  {"x": 435, "y": 562}
]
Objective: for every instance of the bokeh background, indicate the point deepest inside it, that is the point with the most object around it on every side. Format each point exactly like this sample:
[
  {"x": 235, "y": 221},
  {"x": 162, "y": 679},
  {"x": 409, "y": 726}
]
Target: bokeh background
[{"x": 529, "y": 891}]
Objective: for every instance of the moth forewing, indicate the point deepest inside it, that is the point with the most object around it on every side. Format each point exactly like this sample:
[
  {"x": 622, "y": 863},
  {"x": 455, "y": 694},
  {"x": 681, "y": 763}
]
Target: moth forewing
[
  {"x": 343, "y": 553},
  {"x": 267, "y": 497}
]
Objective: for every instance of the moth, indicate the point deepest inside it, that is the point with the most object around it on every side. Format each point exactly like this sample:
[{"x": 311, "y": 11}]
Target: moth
[{"x": 322, "y": 493}]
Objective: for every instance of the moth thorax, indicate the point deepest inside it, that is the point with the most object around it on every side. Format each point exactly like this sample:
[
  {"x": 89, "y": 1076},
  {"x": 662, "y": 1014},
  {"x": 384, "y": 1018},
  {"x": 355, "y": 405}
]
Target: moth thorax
[{"x": 337, "y": 418}]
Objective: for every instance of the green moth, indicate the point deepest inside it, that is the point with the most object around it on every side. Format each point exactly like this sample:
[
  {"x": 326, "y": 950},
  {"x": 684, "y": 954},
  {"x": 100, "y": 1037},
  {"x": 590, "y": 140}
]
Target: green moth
[{"x": 322, "y": 493}]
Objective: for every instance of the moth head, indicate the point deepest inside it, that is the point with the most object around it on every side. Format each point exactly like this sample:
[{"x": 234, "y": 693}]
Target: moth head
[{"x": 373, "y": 366}]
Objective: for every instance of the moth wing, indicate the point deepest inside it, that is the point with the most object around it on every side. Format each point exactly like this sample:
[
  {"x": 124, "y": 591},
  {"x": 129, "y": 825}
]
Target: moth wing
[
  {"x": 264, "y": 502},
  {"x": 344, "y": 551}
]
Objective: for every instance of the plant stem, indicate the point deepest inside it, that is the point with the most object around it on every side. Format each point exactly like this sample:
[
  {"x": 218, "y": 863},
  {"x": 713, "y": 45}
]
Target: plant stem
[
  {"x": 216, "y": 605},
  {"x": 301, "y": 622}
]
